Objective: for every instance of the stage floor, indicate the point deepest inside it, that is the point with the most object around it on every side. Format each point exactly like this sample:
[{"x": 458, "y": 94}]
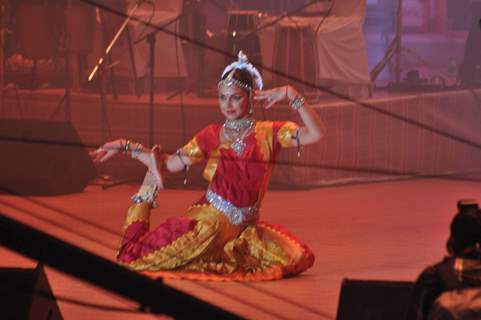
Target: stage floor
[{"x": 383, "y": 231}]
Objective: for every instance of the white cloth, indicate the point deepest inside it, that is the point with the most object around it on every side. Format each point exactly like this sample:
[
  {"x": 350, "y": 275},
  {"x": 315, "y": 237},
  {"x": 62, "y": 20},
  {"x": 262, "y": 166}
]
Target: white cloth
[{"x": 349, "y": 8}]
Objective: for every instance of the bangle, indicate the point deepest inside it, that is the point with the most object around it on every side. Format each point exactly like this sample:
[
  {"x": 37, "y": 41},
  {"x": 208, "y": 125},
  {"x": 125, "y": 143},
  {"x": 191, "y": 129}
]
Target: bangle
[
  {"x": 126, "y": 147},
  {"x": 297, "y": 102},
  {"x": 134, "y": 153},
  {"x": 137, "y": 150},
  {"x": 146, "y": 194}
]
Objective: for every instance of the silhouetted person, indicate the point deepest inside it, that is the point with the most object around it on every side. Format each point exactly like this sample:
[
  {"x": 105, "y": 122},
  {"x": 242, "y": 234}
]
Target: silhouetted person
[{"x": 451, "y": 289}]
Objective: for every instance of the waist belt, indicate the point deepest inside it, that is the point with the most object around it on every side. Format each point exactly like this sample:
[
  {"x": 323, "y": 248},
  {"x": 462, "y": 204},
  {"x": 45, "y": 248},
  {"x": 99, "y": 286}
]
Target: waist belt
[{"x": 236, "y": 215}]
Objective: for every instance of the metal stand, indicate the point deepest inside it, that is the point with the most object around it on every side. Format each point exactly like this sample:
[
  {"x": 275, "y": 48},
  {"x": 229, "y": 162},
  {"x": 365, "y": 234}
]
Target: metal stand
[
  {"x": 108, "y": 181},
  {"x": 66, "y": 99},
  {"x": 106, "y": 132},
  {"x": 395, "y": 49},
  {"x": 100, "y": 67},
  {"x": 113, "y": 41},
  {"x": 68, "y": 88},
  {"x": 151, "y": 41},
  {"x": 137, "y": 89},
  {"x": 399, "y": 24}
]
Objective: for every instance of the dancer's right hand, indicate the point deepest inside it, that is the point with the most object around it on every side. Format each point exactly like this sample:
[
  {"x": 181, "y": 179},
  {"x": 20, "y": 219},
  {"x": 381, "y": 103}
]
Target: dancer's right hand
[{"x": 106, "y": 151}]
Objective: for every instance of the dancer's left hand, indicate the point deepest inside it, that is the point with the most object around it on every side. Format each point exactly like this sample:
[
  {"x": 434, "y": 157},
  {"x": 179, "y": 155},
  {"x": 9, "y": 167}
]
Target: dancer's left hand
[
  {"x": 106, "y": 151},
  {"x": 274, "y": 95}
]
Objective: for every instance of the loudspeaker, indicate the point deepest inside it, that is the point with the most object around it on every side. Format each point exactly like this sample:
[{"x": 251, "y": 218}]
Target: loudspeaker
[
  {"x": 42, "y": 158},
  {"x": 374, "y": 300},
  {"x": 26, "y": 294}
]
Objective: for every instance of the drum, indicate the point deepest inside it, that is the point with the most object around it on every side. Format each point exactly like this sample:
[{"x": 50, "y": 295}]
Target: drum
[
  {"x": 295, "y": 54},
  {"x": 241, "y": 35}
]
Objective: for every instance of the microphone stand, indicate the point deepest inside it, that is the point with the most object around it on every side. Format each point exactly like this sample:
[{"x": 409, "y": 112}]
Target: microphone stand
[
  {"x": 99, "y": 67},
  {"x": 113, "y": 41},
  {"x": 151, "y": 41},
  {"x": 150, "y": 38}
]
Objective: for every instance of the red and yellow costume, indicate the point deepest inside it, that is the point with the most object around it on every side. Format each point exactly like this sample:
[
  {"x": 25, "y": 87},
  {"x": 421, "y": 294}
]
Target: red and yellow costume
[{"x": 220, "y": 236}]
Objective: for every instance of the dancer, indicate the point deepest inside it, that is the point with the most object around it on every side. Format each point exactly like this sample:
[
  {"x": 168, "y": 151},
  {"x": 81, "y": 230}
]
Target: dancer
[{"x": 220, "y": 236}]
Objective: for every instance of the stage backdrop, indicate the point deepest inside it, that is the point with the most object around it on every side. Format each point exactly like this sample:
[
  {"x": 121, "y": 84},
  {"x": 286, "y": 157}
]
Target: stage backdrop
[{"x": 361, "y": 145}]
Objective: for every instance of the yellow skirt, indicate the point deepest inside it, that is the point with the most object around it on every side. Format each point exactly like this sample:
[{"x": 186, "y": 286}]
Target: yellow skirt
[{"x": 203, "y": 245}]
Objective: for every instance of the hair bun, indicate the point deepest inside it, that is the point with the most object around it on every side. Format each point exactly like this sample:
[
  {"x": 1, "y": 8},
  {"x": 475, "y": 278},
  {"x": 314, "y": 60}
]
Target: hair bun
[
  {"x": 242, "y": 58},
  {"x": 244, "y": 64}
]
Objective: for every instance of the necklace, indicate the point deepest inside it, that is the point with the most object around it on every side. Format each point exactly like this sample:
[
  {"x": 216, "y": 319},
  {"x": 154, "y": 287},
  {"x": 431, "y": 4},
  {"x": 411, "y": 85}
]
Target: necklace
[
  {"x": 239, "y": 124},
  {"x": 235, "y": 131}
]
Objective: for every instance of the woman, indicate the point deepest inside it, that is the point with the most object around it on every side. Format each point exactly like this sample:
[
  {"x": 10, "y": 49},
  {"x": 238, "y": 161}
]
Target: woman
[{"x": 220, "y": 237}]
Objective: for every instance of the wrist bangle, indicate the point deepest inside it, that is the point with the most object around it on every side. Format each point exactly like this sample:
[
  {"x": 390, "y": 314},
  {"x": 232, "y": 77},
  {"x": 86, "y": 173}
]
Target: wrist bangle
[
  {"x": 297, "y": 102},
  {"x": 137, "y": 150},
  {"x": 126, "y": 147},
  {"x": 146, "y": 194}
]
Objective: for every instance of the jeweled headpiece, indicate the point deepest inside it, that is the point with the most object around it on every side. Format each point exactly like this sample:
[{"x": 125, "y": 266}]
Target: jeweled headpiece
[{"x": 229, "y": 76}]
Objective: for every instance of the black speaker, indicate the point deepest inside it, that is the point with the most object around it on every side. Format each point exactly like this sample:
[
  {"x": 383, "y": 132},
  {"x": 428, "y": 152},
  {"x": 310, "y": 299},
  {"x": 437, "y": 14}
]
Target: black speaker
[
  {"x": 26, "y": 294},
  {"x": 374, "y": 300},
  {"x": 42, "y": 158}
]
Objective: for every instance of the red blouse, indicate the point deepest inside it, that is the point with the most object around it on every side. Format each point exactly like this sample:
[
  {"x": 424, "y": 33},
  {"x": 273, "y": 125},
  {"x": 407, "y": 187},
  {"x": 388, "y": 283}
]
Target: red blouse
[{"x": 242, "y": 178}]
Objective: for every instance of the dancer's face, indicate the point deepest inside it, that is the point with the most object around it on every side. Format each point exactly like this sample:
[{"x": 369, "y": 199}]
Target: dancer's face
[{"x": 234, "y": 102}]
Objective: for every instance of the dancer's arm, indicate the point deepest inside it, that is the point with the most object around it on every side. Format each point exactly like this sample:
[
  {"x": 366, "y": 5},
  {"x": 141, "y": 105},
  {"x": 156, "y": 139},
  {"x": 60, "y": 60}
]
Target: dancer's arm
[
  {"x": 313, "y": 128},
  {"x": 173, "y": 163},
  {"x": 177, "y": 162}
]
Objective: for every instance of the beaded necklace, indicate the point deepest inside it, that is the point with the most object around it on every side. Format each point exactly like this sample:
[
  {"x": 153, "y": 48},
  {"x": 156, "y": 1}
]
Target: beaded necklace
[{"x": 235, "y": 131}]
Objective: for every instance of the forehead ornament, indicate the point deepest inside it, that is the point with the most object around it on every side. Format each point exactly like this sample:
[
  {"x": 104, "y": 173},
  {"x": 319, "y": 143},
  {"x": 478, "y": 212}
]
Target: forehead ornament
[{"x": 241, "y": 64}]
